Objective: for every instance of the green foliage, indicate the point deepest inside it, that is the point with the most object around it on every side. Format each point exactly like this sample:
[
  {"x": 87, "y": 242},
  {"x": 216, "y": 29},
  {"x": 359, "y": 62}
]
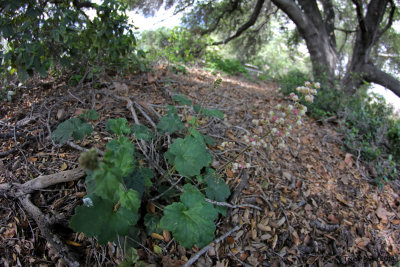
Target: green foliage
[
  {"x": 189, "y": 156},
  {"x": 171, "y": 122},
  {"x": 103, "y": 219},
  {"x": 89, "y": 115},
  {"x": 208, "y": 112},
  {"x": 175, "y": 45},
  {"x": 367, "y": 122},
  {"x": 229, "y": 66},
  {"x": 119, "y": 183},
  {"x": 386, "y": 171},
  {"x": 394, "y": 137},
  {"x": 291, "y": 80},
  {"x": 40, "y": 38},
  {"x": 142, "y": 132},
  {"x": 118, "y": 126},
  {"x": 191, "y": 220},
  {"x": 181, "y": 99},
  {"x": 75, "y": 127}
]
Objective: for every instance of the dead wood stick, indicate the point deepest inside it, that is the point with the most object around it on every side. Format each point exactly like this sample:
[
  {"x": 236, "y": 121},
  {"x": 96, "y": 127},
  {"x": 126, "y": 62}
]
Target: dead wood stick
[
  {"x": 78, "y": 147},
  {"x": 43, "y": 224},
  {"x": 139, "y": 107},
  {"x": 129, "y": 105},
  {"x": 41, "y": 182},
  {"x": 324, "y": 227},
  {"x": 206, "y": 248},
  {"x": 226, "y": 204},
  {"x": 243, "y": 183}
]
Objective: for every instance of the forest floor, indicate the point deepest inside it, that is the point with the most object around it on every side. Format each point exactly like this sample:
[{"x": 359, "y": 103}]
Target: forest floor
[{"x": 309, "y": 203}]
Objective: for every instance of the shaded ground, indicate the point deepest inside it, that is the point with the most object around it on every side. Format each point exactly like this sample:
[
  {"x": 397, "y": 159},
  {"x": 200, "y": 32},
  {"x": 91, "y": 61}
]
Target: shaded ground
[{"x": 312, "y": 204}]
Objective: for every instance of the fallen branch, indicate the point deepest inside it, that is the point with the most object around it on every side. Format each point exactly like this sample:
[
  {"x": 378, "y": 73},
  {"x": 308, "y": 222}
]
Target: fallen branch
[
  {"x": 226, "y": 204},
  {"x": 43, "y": 224},
  {"x": 22, "y": 193},
  {"x": 323, "y": 226},
  {"x": 41, "y": 182},
  {"x": 206, "y": 248}
]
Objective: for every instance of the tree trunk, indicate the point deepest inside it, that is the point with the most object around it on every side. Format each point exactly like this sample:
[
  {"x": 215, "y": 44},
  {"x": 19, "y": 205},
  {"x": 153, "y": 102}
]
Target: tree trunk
[
  {"x": 317, "y": 33},
  {"x": 368, "y": 33},
  {"x": 319, "y": 36}
]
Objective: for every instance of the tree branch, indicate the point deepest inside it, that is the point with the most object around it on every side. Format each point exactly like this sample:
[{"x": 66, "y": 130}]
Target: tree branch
[
  {"x": 311, "y": 10},
  {"x": 373, "y": 74},
  {"x": 248, "y": 24},
  {"x": 295, "y": 14},
  {"x": 232, "y": 7},
  {"x": 329, "y": 20},
  {"x": 360, "y": 16},
  {"x": 390, "y": 20}
]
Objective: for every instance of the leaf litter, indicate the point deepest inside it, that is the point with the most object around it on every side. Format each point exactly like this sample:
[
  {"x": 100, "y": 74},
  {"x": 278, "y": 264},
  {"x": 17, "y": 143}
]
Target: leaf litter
[{"x": 317, "y": 205}]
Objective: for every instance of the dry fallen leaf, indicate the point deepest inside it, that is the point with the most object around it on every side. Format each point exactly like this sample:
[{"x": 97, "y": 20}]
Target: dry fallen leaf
[
  {"x": 383, "y": 214},
  {"x": 362, "y": 242},
  {"x": 348, "y": 159},
  {"x": 64, "y": 166}
]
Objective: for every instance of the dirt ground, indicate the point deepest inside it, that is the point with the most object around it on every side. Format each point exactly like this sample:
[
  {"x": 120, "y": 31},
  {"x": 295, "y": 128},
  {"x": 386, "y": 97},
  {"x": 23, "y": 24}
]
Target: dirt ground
[{"x": 308, "y": 204}]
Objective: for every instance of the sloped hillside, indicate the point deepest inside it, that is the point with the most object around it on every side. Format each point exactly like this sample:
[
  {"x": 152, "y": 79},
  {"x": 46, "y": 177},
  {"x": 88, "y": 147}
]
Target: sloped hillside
[{"x": 305, "y": 202}]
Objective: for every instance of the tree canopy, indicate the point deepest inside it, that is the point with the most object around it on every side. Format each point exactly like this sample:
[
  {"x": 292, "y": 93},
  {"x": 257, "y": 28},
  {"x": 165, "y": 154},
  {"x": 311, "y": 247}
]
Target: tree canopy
[{"x": 356, "y": 34}]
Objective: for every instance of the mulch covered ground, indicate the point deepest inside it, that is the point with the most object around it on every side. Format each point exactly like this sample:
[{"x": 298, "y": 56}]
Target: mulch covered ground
[{"x": 309, "y": 203}]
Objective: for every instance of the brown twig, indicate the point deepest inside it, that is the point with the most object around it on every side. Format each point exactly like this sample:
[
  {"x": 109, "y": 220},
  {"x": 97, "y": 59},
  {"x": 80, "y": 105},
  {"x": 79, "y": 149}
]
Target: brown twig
[{"x": 206, "y": 248}]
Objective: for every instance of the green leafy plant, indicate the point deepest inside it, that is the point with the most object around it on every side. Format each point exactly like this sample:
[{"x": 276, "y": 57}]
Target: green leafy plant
[
  {"x": 229, "y": 66},
  {"x": 119, "y": 184},
  {"x": 40, "y": 38},
  {"x": 77, "y": 128}
]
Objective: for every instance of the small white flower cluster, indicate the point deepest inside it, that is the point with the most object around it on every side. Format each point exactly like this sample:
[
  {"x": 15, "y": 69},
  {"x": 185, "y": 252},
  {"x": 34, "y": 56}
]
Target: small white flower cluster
[
  {"x": 227, "y": 144},
  {"x": 255, "y": 140},
  {"x": 236, "y": 166},
  {"x": 308, "y": 91}
]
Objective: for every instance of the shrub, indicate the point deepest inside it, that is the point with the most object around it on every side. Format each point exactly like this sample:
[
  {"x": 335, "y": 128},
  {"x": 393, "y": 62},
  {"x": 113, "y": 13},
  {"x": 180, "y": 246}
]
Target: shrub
[
  {"x": 291, "y": 80},
  {"x": 42, "y": 37},
  {"x": 229, "y": 66}
]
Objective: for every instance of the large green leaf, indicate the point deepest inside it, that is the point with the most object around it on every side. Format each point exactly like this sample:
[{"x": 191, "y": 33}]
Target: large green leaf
[
  {"x": 74, "y": 127},
  {"x": 129, "y": 199},
  {"x": 181, "y": 99},
  {"x": 142, "y": 132},
  {"x": 192, "y": 220},
  {"x": 119, "y": 155},
  {"x": 90, "y": 115},
  {"x": 216, "y": 189},
  {"x": 170, "y": 123},
  {"x": 118, "y": 126},
  {"x": 139, "y": 179},
  {"x": 209, "y": 112},
  {"x": 102, "y": 220},
  {"x": 107, "y": 181},
  {"x": 189, "y": 156}
]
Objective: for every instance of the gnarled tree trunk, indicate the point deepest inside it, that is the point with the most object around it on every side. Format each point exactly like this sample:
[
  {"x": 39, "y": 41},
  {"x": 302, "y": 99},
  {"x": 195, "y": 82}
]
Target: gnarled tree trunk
[
  {"x": 368, "y": 33},
  {"x": 318, "y": 33}
]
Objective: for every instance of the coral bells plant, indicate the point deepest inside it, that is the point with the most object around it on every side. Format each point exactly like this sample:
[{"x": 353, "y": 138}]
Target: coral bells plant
[{"x": 278, "y": 125}]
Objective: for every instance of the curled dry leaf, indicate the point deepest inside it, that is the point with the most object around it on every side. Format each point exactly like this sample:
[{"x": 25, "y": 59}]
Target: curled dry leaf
[{"x": 383, "y": 214}]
